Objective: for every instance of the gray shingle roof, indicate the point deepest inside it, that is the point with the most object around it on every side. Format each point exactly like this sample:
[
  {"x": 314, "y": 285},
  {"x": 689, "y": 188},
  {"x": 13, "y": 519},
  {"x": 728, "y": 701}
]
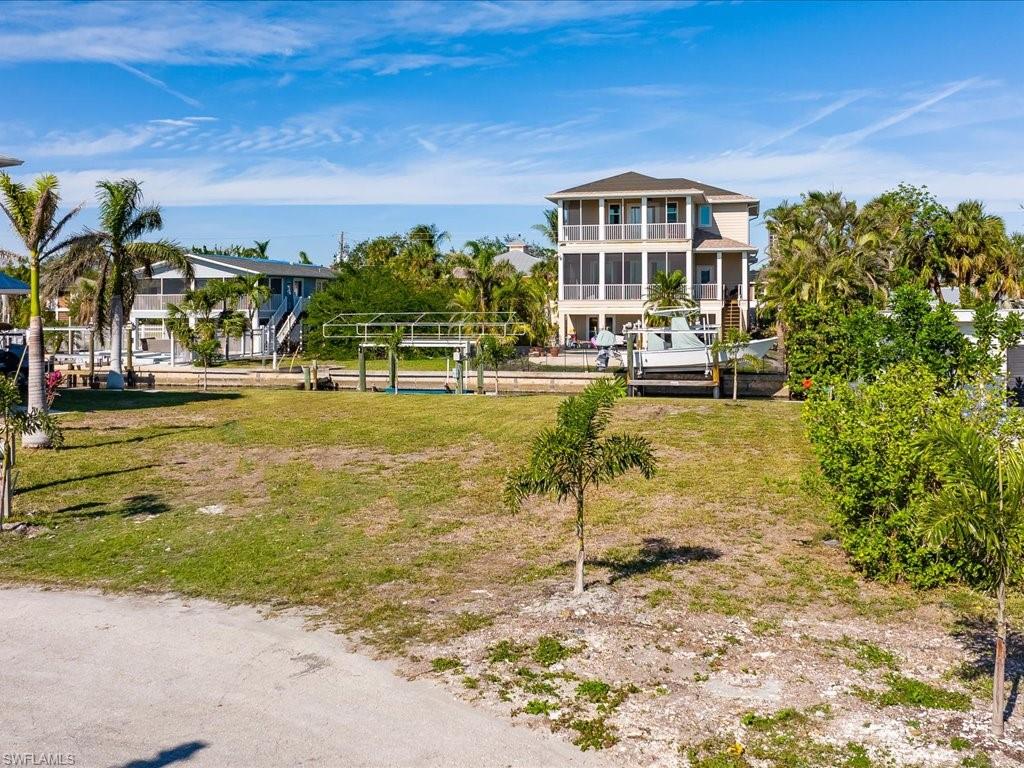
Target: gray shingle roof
[
  {"x": 705, "y": 240},
  {"x": 518, "y": 258},
  {"x": 631, "y": 181},
  {"x": 7, "y": 162},
  {"x": 266, "y": 266}
]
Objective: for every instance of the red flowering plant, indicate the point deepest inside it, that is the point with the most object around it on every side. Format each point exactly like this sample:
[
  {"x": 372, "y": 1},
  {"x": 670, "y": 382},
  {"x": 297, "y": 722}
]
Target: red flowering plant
[{"x": 53, "y": 381}]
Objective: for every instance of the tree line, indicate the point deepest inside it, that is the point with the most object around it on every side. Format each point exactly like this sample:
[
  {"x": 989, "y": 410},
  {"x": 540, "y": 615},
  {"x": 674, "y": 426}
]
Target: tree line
[{"x": 918, "y": 439}]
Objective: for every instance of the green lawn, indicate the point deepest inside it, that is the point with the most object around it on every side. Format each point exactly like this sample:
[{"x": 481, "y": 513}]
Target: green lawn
[{"x": 384, "y": 511}]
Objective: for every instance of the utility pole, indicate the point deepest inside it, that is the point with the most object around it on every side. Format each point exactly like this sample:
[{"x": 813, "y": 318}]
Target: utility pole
[{"x": 341, "y": 257}]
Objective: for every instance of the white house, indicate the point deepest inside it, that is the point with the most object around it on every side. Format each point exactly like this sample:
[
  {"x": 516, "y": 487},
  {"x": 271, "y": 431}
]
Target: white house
[
  {"x": 277, "y": 319},
  {"x": 616, "y": 234}
]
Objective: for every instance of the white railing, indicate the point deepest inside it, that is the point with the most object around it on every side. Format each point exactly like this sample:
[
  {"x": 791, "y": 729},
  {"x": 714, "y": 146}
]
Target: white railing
[
  {"x": 705, "y": 291},
  {"x": 624, "y": 291},
  {"x": 156, "y": 301},
  {"x": 291, "y": 320},
  {"x": 666, "y": 231},
  {"x": 580, "y": 232},
  {"x": 579, "y": 292}
]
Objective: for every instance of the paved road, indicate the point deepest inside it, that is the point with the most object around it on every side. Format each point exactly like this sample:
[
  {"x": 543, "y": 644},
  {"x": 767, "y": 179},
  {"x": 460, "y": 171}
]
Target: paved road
[{"x": 146, "y": 682}]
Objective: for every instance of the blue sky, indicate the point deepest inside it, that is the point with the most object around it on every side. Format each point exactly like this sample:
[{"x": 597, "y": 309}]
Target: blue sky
[{"x": 294, "y": 121}]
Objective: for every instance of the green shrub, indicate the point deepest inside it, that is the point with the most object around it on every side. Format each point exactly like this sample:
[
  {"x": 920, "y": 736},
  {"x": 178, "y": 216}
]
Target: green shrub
[{"x": 866, "y": 438}]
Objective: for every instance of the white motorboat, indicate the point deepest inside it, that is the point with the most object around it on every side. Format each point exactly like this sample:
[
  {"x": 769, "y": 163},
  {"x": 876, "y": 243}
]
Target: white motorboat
[{"x": 681, "y": 346}]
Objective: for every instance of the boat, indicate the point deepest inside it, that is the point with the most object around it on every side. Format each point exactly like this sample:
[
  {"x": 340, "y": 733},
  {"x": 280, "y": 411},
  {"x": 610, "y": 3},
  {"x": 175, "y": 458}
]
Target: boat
[{"x": 683, "y": 345}]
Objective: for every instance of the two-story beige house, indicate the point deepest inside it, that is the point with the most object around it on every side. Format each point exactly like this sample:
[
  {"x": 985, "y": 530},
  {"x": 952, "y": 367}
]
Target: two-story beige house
[{"x": 616, "y": 234}]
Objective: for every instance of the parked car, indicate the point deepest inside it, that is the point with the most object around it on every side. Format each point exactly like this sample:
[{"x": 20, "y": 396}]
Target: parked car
[{"x": 10, "y": 359}]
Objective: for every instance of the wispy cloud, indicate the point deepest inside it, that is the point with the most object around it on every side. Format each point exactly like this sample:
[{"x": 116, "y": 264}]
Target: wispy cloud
[
  {"x": 816, "y": 117},
  {"x": 852, "y": 138},
  {"x": 393, "y": 63},
  {"x": 158, "y": 83}
]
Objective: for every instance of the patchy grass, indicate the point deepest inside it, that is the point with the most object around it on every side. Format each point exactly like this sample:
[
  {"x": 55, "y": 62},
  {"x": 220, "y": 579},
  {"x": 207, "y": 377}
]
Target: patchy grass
[
  {"x": 549, "y": 650},
  {"x": 906, "y": 692},
  {"x": 445, "y": 664}
]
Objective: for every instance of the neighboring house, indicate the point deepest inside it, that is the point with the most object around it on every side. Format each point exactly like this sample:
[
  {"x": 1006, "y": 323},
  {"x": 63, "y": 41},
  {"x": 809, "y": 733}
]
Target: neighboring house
[
  {"x": 616, "y": 234},
  {"x": 8, "y": 162},
  {"x": 518, "y": 257},
  {"x": 291, "y": 285}
]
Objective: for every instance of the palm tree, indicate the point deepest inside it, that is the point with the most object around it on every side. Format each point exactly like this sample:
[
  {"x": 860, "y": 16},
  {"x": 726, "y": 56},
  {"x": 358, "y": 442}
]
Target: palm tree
[
  {"x": 667, "y": 291},
  {"x": 260, "y": 249},
  {"x": 255, "y": 291},
  {"x": 120, "y": 256},
  {"x": 550, "y": 226},
  {"x": 731, "y": 345},
  {"x": 980, "y": 506},
  {"x": 233, "y": 325},
  {"x": 429, "y": 235},
  {"x": 32, "y": 212},
  {"x": 978, "y": 252},
  {"x": 572, "y": 456},
  {"x": 193, "y": 324},
  {"x": 482, "y": 274}
]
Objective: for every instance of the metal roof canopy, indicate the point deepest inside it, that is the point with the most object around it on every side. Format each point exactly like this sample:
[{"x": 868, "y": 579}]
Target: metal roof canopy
[
  {"x": 422, "y": 329},
  {"x": 12, "y": 286}
]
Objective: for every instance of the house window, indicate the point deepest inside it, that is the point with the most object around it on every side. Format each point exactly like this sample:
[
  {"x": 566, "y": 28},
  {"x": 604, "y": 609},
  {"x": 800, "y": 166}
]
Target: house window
[
  {"x": 704, "y": 216},
  {"x": 672, "y": 213},
  {"x": 565, "y": 212},
  {"x": 615, "y": 214},
  {"x": 276, "y": 286},
  {"x": 705, "y": 275},
  {"x": 634, "y": 214},
  {"x": 320, "y": 285}
]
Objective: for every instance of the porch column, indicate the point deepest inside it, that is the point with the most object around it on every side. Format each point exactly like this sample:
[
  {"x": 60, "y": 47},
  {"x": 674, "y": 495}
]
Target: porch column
[
  {"x": 643, "y": 275},
  {"x": 558, "y": 212},
  {"x": 718, "y": 277},
  {"x": 561, "y": 276},
  {"x": 643, "y": 218},
  {"x": 690, "y": 282},
  {"x": 745, "y": 296},
  {"x": 689, "y": 217},
  {"x": 600, "y": 322},
  {"x": 600, "y": 219},
  {"x": 600, "y": 275}
]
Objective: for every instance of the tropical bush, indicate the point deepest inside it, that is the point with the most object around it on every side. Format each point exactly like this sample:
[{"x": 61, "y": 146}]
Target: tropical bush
[
  {"x": 867, "y": 439},
  {"x": 828, "y": 342}
]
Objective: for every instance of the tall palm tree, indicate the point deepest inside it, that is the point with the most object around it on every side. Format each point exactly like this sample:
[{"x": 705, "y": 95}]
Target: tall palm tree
[
  {"x": 980, "y": 506},
  {"x": 568, "y": 459},
  {"x": 255, "y": 291},
  {"x": 32, "y": 212},
  {"x": 482, "y": 273},
  {"x": 123, "y": 219},
  {"x": 260, "y": 249},
  {"x": 549, "y": 228},
  {"x": 823, "y": 251}
]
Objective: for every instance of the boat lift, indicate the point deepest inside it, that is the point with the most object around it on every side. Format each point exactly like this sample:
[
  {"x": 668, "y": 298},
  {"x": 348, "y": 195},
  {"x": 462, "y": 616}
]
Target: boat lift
[
  {"x": 429, "y": 330},
  {"x": 458, "y": 331}
]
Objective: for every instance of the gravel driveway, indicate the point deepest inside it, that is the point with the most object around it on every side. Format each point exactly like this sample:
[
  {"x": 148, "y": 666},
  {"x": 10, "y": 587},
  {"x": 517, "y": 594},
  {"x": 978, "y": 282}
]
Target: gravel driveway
[{"x": 98, "y": 680}]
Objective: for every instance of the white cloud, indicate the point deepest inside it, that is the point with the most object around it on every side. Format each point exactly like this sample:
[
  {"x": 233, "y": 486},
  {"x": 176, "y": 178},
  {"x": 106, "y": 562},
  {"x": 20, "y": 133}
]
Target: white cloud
[
  {"x": 393, "y": 63},
  {"x": 855, "y": 137}
]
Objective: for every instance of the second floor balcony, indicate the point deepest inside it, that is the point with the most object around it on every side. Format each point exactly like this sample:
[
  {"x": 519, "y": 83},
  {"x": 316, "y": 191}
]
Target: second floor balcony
[
  {"x": 586, "y": 233},
  {"x": 624, "y": 220}
]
